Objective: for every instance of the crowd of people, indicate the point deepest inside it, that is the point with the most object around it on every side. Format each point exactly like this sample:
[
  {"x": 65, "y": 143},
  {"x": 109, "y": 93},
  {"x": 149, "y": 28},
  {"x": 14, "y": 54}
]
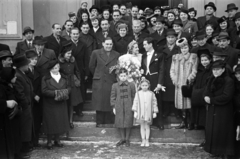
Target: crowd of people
[{"x": 183, "y": 66}]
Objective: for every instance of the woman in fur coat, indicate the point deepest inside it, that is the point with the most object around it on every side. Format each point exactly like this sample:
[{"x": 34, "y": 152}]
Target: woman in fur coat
[{"x": 183, "y": 70}]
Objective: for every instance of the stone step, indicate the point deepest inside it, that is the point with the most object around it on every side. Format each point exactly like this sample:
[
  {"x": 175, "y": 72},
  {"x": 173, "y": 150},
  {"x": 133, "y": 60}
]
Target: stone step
[{"x": 87, "y": 131}]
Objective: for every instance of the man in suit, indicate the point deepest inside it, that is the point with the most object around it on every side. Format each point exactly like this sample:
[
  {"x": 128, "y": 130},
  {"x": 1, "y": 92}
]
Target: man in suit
[
  {"x": 4, "y": 47},
  {"x": 231, "y": 10},
  {"x": 25, "y": 95},
  {"x": 138, "y": 35},
  {"x": 232, "y": 54},
  {"x": 55, "y": 41},
  {"x": 106, "y": 32},
  {"x": 210, "y": 8},
  {"x": 45, "y": 56},
  {"x": 27, "y": 44},
  {"x": 116, "y": 17},
  {"x": 152, "y": 64},
  {"x": 80, "y": 52},
  {"x": 68, "y": 26},
  {"x": 100, "y": 63},
  {"x": 159, "y": 34}
]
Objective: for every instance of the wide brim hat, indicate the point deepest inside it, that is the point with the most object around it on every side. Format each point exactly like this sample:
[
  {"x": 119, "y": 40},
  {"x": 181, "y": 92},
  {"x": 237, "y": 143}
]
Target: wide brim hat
[
  {"x": 39, "y": 40},
  {"x": 20, "y": 60},
  {"x": 27, "y": 29},
  {"x": 231, "y": 6},
  {"x": 5, "y": 53},
  {"x": 94, "y": 7},
  {"x": 31, "y": 53},
  {"x": 200, "y": 52},
  {"x": 210, "y": 4},
  {"x": 218, "y": 64},
  {"x": 181, "y": 42},
  {"x": 223, "y": 35},
  {"x": 171, "y": 32}
]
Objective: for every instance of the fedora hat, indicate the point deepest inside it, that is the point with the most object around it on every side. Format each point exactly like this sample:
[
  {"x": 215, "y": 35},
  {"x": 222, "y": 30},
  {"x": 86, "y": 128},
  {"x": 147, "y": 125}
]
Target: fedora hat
[
  {"x": 219, "y": 64},
  {"x": 20, "y": 60},
  {"x": 52, "y": 63},
  {"x": 237, "y": 15},
  {"x": 223, "y": 35},
  {"x": 171, "y": 32},
  {"x": 31, "y": 53},
  {"x": 94, "y": 7},
  {"x": 178, "y": 22},
  {"x": 39, "y": 40},
  {"x": 184, "y": 11},
  {"x": 5, "y": 53},
  {"x": 210, "y": 4},
  {"x": 27, "y": 29},
  {"x": 200, "y": 35},
  {"x": 231, "y": 6},
  {"x": 192, "y": 10},
  {"x": 222, "y": 19}
]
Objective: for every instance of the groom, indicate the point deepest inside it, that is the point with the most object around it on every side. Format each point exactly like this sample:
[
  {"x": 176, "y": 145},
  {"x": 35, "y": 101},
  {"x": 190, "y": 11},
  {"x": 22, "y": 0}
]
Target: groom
[{"x": 152, "y": 64}]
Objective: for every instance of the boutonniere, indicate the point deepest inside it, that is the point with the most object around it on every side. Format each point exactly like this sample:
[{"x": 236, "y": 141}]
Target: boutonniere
[
  {"x": 156, "y": 59},
  {"x": 155, "y": 54}
]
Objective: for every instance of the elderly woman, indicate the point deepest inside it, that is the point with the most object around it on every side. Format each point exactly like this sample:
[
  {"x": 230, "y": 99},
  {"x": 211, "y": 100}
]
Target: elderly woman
[
  {"x": 188, "y": 25},
  {"x": 122, "y": 39},
  {"x": 183, "y": 70},
  {"x": 55, "y": 91},
  {"x": 218, "y": 96}
]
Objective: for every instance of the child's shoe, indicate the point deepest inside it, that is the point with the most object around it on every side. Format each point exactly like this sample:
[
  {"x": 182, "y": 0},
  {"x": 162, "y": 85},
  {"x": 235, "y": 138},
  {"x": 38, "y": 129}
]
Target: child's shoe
[
  {"x": 147, "y": 143},
  {"x": 143, "y": 143}
]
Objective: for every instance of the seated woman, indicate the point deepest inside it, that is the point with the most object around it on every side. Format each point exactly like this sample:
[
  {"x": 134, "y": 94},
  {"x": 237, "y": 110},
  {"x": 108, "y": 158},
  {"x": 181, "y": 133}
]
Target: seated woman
[{"x": 55, "y": 91}]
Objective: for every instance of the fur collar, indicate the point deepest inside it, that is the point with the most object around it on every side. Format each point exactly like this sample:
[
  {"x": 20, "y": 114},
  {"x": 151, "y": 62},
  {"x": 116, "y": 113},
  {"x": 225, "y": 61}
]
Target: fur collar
[
  {"x": 215, "y": 84},
  {"x": 63, "y": 60}
]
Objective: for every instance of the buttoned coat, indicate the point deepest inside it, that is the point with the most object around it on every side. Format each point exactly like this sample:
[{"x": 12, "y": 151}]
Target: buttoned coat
[
  {"x": 121, "y": 43},
  {"x": 103, "y": 80},
  {"x": 53, "y": 44},
  {"x": 235, "y": 38},
  {"x": 100, "y": 38},
  {"x": 55, "y": 113},
  {"x": 22, "y": 46},
  {"x": 190, "y": 27},
  {"x": 122, "y": 101},
  {"x": 159, "y": 40},
  {"x": 90, "y": 42},
  {"x": 183, "y": 68},
  {"x": 232, "y": 58},
  {"x": 219, "y": 129},
  {"x": 65, "y": 35},
  {"x": 169, "y": 94},
  {"x": 24, "y": 88},
  {"x": 43, "y": 61},
  {"x": 201, "y": 21}
]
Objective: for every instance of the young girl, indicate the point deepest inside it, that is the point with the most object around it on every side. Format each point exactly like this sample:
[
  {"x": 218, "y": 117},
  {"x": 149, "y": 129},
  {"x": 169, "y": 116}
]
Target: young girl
[
  {"x": 145, "y": 109},
  {"x": 122, "y": 96}
]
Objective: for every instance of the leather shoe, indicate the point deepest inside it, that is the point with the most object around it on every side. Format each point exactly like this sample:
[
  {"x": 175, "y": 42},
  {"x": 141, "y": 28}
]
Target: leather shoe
[
  {"x": 181, "y": 126},
  {"x": 71, "y": 125},
  {"x": 127, "y": 143},
  {"x": 121, "y": 142},
  {"x": 58, "y": 144}
]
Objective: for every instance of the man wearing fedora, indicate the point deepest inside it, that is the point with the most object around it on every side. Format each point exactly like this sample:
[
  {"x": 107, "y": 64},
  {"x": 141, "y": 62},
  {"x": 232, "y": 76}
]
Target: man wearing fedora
[
  {"x": 210, "y": 8},
  {"x": 232, "y": 54},
  {"x": 25, "y": 95},
  {"x": 26, "y": 44},
  {"x": 55, "y": 41},
  {"x": 231, "y": 10},
  {"x": 4, "y": 47},
  {"x": 5, "y": 59},
  {"x": 45, "y": 56}
]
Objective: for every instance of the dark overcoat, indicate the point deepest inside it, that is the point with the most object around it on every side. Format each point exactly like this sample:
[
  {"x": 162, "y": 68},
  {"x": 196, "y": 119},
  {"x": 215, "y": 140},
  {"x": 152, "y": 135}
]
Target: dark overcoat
[
  {"x": 198, "y": 109},
  {"x": 53, "y": 44},
  {"x": 24, "y": 88},
  {"x": 69, "y": 69},
  {"x": 219, "y": 130},
  {"x": 42, "y": 64},
  {"x": 211, "y": 48},
  {"x": 122, "y": 96},
  {"x": 169, "y": 94},
  {"x": 235, "y": 38},
  {"x": 103, "y": 80},
  {"x": 55, "y": 113},
  {"x": 100, "y": 38},
  {"x": 159, "y": 40},
  {"x": 22, "y": 46},
  {"x": 140, "y": 40},
  {"x": 65, "y": 35},
  {"x": 201, "y": 21},
  {"x": 232, "y": 58},
  {"x": 121, "y": 43},
  {"x": 90, "y": 42}
]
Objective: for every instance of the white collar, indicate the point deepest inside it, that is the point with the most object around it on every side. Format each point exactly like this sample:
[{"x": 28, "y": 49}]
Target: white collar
[
  {"x": 56, "y": 77},
  {"x": 151, "y": 52}
]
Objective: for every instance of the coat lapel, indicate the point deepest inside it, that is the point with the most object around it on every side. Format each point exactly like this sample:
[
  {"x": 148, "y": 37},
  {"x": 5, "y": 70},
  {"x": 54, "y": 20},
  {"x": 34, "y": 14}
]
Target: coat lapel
[
  {"x": 103, "y": 56},
  {"x": 43, "y": 59},
  {"x": 56, "y": 85},
  {"x": 170, "y": 53},
  {"x": 112, "y": 56},
  {"x": 154, "y": 57}
]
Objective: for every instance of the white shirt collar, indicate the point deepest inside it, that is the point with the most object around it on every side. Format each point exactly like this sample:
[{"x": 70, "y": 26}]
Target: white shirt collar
[{"x": 150, "y": 53}]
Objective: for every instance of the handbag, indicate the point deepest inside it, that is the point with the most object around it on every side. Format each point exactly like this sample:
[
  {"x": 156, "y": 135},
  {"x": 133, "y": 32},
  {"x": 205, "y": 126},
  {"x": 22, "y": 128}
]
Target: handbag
[
  {"x": 61, "y": 95},
  {"x": 187, "y": 90}
]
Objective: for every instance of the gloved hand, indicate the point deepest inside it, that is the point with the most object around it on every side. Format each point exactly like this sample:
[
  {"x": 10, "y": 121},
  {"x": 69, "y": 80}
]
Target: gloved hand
[
  {"x": 154, "y": 115},
  {"x": 13, "y": 113}
]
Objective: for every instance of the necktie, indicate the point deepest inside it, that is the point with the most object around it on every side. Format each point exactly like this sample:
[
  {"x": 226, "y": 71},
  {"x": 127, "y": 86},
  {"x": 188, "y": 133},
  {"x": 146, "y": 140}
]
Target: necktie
[
  {"x": 136, "y": 36},
  {"x": 105, "y": 34},
  {"x": 58, "y": 39}
]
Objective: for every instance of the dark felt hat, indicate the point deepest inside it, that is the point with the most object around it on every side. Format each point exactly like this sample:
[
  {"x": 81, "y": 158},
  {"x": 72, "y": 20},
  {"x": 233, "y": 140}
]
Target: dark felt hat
[
  {"x": 237, "y": 15},
  {"x": 220, "y": 53},
  {"x": 178, "y": 22},
  {"x": 210, "y": 4},
  {"x": 160, "y": 19},
  {"x": 129, "y": 5},
  {"x": 94, "y": 7},
  {"x": 143, "y": 18},
  {"x": 107, "y": 7},
  {"x": 5, "y": 53},
  {"x": 66, "y": 47},
  {"x": 200, "y": 34},
  {"x": 218, "y": 64},
  {"x": 192, "y": 10},
  {"x": 20, "y": 60},
  {"x": 231, "y": 6},
  {"x": 7, "y": 74},
  {"x": 31, "y": 53},
  {"x": 237, "y": 69},
  {"x": 51, "y": 64},
  {"x": 204, "y": 51},
  {"x": 223, "y": 35},
  {"x": 157, "y": 7},
  {"x": 171, "y": 32},
  {"x": 222, "y": 19},
  {"x": 71, "y": 14},
  {"x": 184, "y": 10},
  {"x": 27, "y": 29},
  {"x": 39, "y": 40},
  {"x": 215, "y": 33},
  {"x": 148, "y": 13}
]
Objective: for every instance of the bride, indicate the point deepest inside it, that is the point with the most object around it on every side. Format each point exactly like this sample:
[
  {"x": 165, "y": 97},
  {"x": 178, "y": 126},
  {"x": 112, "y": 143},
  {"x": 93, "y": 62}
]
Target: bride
[{"x": 132, "y": 55}]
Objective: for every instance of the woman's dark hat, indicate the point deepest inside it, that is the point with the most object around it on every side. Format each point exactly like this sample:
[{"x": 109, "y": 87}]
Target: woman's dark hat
[
  {"x": 20, "y": 60},
  {"x": 7, "y": 74},
  {"x": 31, "y": 53},
  {"x": 200, "y": 52},
  {"x": 66, "y": 47},
  {"x": 231, "y": 6},
  {"x": 178, "y": 22},
  {"x": 5, "y": 53},
  {"x": 192, "y": 10},
  {"x": 171, "y": 32},
  {"x": 219, "y": 64},
  {"x": 210, "y": 4},
  {"x": 39, "y": 40},
  {"x": 237, "y": 15},
  {"x": 222, "y": 19},
  {"x": 94, "y": 7},
  {"x": 27, "y": 29},
  {"x": 51, "y": 64},
  {"x": 184, "y": 10}
]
